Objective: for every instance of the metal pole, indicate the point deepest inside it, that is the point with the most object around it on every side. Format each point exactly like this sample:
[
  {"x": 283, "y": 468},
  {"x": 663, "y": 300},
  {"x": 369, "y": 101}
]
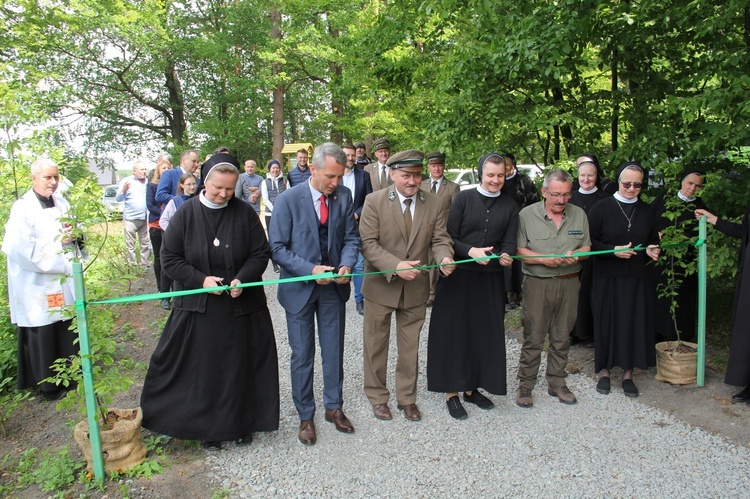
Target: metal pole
[
  {"x": 88, "y": 377},
  {"x": 702, "y": 258}
]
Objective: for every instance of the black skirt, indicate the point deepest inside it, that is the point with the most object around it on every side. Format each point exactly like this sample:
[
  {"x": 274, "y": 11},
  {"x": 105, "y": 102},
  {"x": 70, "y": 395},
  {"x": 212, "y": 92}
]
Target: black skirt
[
  {"x": 466, "y": 344},
  {"x": 623, "y": 323},
  {"x": 584, "y": 326},
  {"x": 213, "y": 376}
]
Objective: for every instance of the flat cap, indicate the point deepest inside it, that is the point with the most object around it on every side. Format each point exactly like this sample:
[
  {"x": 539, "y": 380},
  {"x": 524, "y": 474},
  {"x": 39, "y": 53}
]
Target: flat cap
[
  {"x": 409, "y": 159},
  {"x": 359, "y": 144},
  {"x": 435, "y": 157},
  {"x": 381, "y": 143}
]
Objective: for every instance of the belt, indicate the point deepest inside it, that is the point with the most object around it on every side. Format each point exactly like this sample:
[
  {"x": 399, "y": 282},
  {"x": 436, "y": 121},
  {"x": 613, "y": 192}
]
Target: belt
[{"x": 564, "y": 276}]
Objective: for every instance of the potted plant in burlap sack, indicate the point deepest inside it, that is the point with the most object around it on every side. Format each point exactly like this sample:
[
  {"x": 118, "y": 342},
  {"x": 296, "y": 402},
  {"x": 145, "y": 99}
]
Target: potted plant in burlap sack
[
  {"x": 677, "y": 361},
  {"x": 120, "y": 429}
]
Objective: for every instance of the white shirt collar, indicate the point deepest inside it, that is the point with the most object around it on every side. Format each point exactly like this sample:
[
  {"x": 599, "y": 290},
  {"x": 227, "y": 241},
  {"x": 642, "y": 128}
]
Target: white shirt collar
[
  {"x": 623, "y": 200},
  {"x": 208, "y": 204},
  {"x": 488, "y": 194},
  {"x": 685, "y": 198}
]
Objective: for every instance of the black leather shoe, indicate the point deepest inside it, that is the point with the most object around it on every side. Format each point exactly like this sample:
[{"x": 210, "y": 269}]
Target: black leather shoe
[
  {"x": 246, "y": 440},
  {"x": 478, "y": 399},
  {"x": 629, "y": 388},
  {"x": 455, "y": 408},
  {"x": 742, "y": 397},
  {"x": 211, "y": 446},
  {"x": 166, "y": 304},
  {"x": 54, "y": 395},
  {"x": 602, "y": 386},
  {"x": 361, "y": 307}
]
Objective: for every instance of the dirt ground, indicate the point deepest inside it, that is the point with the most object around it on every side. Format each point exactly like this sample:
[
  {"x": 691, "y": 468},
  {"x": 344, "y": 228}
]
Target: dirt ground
[{"x": 38, "y": 424}]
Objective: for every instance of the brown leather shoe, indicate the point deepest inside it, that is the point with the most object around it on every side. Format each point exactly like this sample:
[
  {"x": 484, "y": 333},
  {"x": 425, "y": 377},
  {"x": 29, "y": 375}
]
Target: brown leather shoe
[
  {"x": 338, "y": 418},
  {"x": 563, "y": 393},
  {"x": 411, "y": 412},
  {"x": 381, "y": 411},
  {"x": 307, "y": 432}
]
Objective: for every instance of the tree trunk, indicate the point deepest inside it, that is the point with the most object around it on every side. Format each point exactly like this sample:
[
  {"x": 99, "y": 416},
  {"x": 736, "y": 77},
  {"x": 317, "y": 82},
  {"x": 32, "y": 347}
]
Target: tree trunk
[
  {"x": 337, "y": 134},
  {"x": 615, "y": 101},
  {"x": 278, "y": 93},
  {"x": 176, "y": 121},
  {"x": 565, "y": 132}
]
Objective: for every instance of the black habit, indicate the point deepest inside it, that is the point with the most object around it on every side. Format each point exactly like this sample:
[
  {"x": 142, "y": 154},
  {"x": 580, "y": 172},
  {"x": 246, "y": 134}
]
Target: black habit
[
  {"x": 621, "y": 293},
  {"x": 466, "y": 344},
  {"x": 738, "y": 368},
  {"x": 584, "y": 326},
  {"x": 214, "y": 374},
  {"x": 686, "y": 300}
]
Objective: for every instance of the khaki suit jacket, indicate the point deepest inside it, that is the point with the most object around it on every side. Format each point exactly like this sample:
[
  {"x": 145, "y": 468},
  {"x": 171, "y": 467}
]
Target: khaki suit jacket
[
  {"x": 374, "y": 171},
  {"x": 446, "y": 192},
  {"x": 384, "y": 245}
]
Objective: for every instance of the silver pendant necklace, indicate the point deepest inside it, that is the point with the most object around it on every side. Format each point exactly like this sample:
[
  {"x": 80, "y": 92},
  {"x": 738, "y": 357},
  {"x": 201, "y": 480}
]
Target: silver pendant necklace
[
  {"x": 218, "y": 228},
  {"x": 628, "y": 218}
]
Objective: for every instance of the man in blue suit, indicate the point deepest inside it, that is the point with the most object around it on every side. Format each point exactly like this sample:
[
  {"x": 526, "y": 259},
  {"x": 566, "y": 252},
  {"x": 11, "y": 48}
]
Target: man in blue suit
[
  {"x": 171, "y": 178},
  {"x": 313, "y": 231},
  {"x": 358, "y": 182}
]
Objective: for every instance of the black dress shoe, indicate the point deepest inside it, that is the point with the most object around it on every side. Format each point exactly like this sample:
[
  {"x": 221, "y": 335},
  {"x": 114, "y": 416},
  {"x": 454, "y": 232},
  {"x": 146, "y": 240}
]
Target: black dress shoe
[
  {"x": 742, "y": 397},
  {"x": 361, "y": 307},
  {"x": 455, "y": 408},
  {"x": 629, "y": 388},
  {"x": 602, "y": 386},
  {"x": 166, "y": 304},
  {"x": 246, "y": 440},
  {"x": 211, "y": 446},
  {"x": 54, "y": 395},
  {"x": 478, "y": 399}
]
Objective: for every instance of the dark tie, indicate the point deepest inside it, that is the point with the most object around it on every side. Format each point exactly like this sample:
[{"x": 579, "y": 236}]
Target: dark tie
[
  {"x": 382, "y": 177},
  {"x": 434, "y": 187},
  {"x": 323, "y": 209},
  {"x": 407, "y": 217}
]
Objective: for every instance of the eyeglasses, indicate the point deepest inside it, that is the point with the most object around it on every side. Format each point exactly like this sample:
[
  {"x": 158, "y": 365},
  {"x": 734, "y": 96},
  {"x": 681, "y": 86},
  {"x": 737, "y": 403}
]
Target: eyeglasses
[
  {"x": 628, "y": 185},
  {"x": 557, "y": 195}
]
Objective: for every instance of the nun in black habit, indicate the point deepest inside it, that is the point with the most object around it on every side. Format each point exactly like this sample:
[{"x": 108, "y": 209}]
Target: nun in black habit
[
  {"x": 738, "y": 367},
  {"x": 214, "y": 375},
  {"x": 685, "y": 203},
  {"x": 621, "y": 292},
  {"x": 590, "y": 190}
]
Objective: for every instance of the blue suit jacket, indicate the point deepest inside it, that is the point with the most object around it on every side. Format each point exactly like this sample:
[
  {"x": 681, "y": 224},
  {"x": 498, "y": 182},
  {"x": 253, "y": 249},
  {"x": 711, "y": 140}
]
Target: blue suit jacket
[
  {"x": 362, "y": 187},
  {"x": 295, "y": 243},
  {"x": 168, "y": 183}
]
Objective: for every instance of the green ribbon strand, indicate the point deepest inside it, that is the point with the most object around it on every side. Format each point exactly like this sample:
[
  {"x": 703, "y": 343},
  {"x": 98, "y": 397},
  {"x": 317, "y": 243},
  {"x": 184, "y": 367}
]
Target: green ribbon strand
[{"x": 331, "y": 275}]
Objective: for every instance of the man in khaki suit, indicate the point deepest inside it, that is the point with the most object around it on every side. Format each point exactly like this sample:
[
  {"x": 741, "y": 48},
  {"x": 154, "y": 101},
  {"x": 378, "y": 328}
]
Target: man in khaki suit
[
  {"x": 446, "y": 191},
  {"x": 380, "y": 172},
  {"x": 400, "y": 228}
]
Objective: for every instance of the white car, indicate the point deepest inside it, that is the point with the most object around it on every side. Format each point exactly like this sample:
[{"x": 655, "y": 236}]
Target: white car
[
  {"x": 112, "y": 208},
  {"x": 466, "y": 179}
]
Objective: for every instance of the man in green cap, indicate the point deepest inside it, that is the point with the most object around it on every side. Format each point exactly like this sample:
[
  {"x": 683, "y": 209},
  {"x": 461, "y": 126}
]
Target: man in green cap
[
  {"x": 446, "y": 191},
  {"x": 379, "y": 170},
  {"x": 400, "y": 227}
]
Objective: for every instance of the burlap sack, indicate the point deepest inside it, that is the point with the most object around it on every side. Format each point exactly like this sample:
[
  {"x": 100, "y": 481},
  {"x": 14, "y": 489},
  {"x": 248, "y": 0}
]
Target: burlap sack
[
  {"x": 678, "y": 368},
  {"x": 122, "y": 446}
]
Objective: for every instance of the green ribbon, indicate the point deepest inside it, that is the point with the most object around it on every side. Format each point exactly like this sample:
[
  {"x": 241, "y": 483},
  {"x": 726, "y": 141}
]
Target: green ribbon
[{"x": 331, "y": 275}]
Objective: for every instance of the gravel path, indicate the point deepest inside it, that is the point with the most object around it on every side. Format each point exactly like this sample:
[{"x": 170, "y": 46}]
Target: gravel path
[{"x": 604, "y": 445}]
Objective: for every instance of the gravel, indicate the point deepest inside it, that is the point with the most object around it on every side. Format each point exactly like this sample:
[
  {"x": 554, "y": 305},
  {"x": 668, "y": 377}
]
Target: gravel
[{"x": 604, "y": 445}]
